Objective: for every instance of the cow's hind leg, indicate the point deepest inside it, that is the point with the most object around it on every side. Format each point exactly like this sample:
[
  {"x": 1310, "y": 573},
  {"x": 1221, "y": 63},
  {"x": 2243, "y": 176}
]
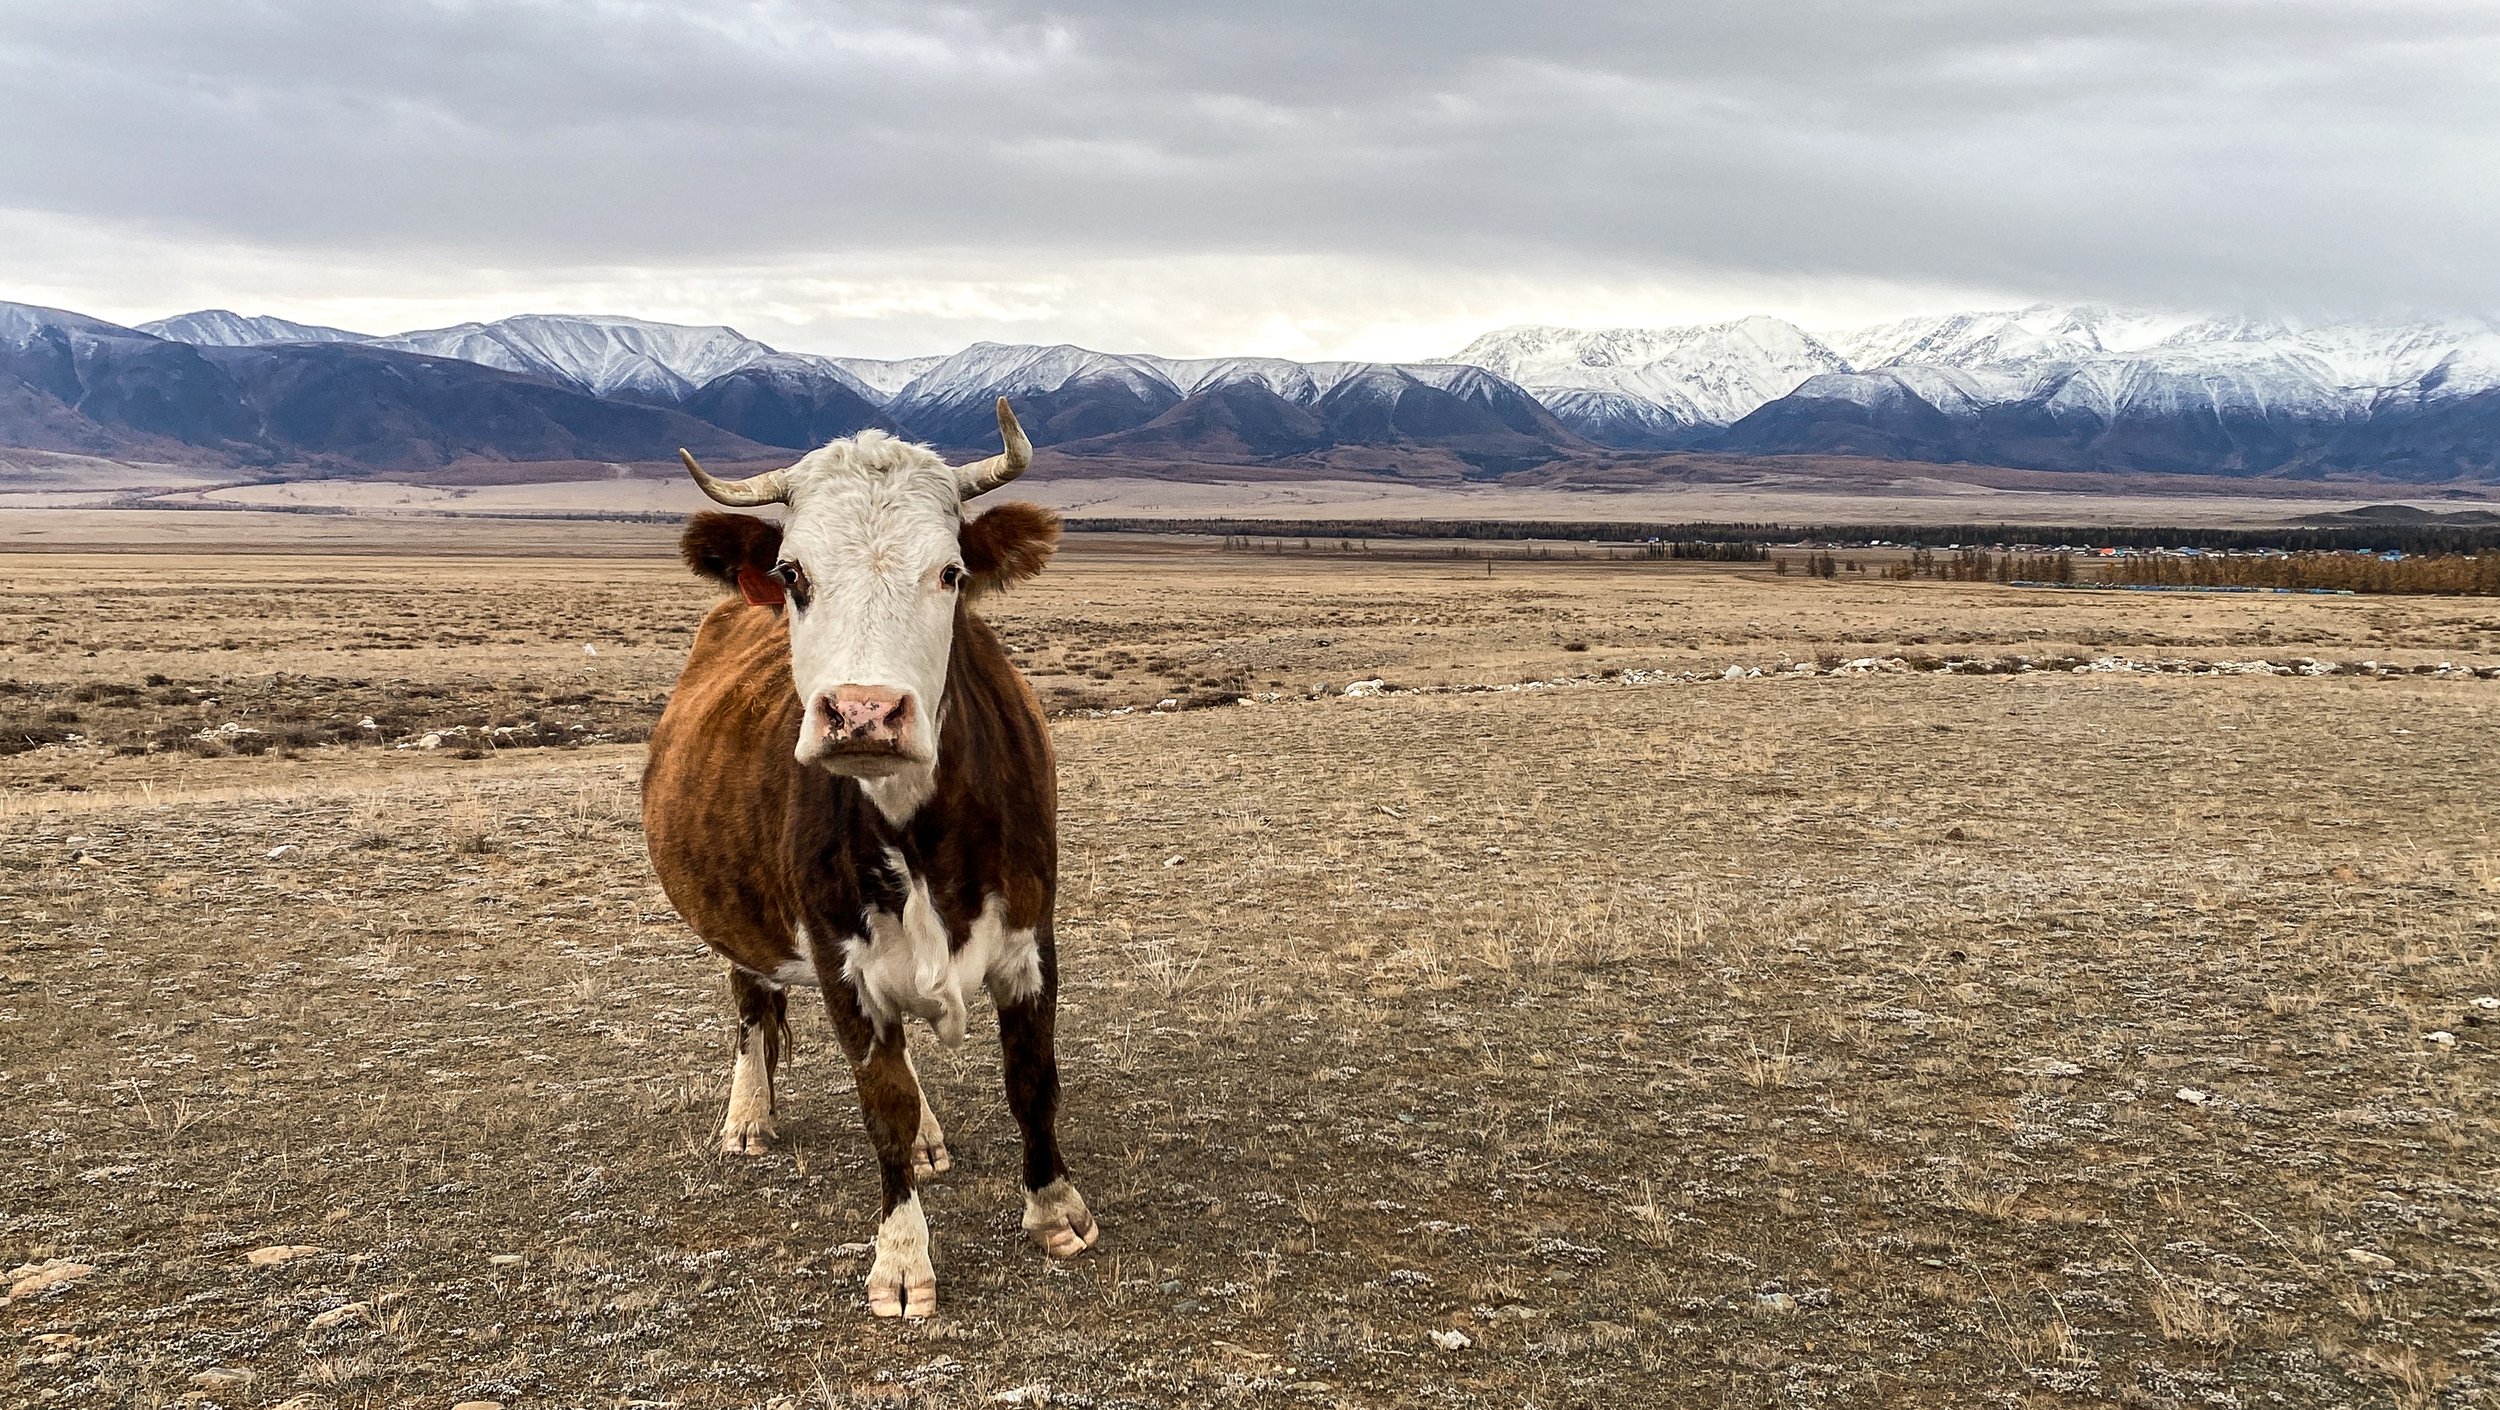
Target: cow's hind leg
[
  {"x": 1054, "y": 1213},
  {"x": 928, "y": 1148},
  {"x": 763, "y": 1030}
]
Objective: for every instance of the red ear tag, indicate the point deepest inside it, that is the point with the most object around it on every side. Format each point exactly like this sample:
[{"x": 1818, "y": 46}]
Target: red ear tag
[{"x": 761, "y": 589}]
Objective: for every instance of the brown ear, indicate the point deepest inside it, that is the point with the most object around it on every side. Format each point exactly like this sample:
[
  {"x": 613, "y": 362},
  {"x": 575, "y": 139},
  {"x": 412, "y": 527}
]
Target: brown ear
[
  {"x": 736, "y": 551},
  {"x": 1008, "y": 545}
]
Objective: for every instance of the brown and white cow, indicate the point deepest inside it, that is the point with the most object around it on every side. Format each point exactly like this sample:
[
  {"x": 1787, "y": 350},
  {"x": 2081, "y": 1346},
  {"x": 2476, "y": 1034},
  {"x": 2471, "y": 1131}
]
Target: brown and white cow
[{"x": 852, "y": 789}]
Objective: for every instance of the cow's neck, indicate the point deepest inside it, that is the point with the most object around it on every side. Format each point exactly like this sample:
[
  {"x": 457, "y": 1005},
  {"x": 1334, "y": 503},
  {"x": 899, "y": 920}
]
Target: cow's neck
[{"x": 899, "y": 797}]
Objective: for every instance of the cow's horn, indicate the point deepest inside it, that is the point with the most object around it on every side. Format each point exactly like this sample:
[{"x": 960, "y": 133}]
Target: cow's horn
[
  {"x": 771, "y": 487},
  {"x": 983, "y": 476}
]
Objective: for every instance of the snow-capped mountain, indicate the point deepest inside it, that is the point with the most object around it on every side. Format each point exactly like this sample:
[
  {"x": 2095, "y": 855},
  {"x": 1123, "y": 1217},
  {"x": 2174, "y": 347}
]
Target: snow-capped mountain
[
  {"x": 2046, "y": 386},
  {"x": 221, "y": 328},
  {"x": 883, "y": 377},
  {"x": 604, "y": 356},
  {"x": 2088, "y": 386},
  {"x": 78, "y": 384},
  {"x": 1706, "y": 375}
]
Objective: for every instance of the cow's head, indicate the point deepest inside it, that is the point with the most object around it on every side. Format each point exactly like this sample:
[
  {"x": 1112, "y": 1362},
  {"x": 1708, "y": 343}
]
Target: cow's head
[{"x": 871, "y": 566}]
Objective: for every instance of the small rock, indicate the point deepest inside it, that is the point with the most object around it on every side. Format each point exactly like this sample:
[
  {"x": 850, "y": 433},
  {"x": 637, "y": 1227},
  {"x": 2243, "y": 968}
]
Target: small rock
[
  {"x": 2192, "y": 1096},
  {"x": 2487, "y": 1003},
  {"x": 280, "y": 850},
  {"x": 1452, "y": 1340},
  {"x": 1374, "y": 686},
  {"x": 431, "y": 741},
  {"x": 341, "y": 1316},
  {"x": 221, "y": 1377},
  {"x": 1955, "y": 834},
  {"x": 503, "y": 1260},
  {"x": 27, "y": 1279},
  {"x": 279, "y": 1253},
  {"x": 2442, "y": 1037},
  {"x": 1776, "y": 1302},
  {"x": 1022, "y": 1395},
  {"x": 2369, "y": 1258},
  {"x": 589, "y": 650}
]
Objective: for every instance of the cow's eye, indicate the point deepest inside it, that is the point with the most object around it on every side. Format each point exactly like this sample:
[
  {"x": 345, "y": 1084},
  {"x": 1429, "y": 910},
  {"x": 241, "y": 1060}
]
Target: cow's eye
[
  {"x": 951, "y": 576},
  {"x": 793, "y": 580}
]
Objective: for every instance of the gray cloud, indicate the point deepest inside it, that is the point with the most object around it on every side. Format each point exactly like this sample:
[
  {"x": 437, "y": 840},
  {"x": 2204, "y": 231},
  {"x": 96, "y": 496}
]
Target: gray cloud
[{"x": 2290, "y": 154}]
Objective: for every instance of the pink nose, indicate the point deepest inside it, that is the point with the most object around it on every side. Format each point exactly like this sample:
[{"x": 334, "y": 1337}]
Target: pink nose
[{"x": 867, "y": 712}]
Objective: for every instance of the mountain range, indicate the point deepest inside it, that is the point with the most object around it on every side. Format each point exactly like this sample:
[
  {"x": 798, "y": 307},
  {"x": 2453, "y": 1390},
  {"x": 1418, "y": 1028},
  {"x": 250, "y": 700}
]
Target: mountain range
[{"x": 2049, "y": 387}]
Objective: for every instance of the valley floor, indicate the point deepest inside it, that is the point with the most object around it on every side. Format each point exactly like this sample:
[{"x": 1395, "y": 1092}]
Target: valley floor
[{"x": 1875, "y": 1038}]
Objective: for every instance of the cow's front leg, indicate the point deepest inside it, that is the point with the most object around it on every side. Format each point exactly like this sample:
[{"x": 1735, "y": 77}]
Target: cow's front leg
[
  {"x": 901, "y": 1282},
  {"x": 763, "y": 1028},
  {"x": 928, "y": 1148},
  {"x": 1054, "y": 1213}
]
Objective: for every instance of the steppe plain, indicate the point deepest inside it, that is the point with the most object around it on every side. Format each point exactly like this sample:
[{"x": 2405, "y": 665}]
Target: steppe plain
[{"x": 1567, "y": 1025}]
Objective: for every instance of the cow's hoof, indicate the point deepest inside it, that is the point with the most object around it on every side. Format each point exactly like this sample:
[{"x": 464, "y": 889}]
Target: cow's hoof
[
  {"x": 1056, "y": 1217},
  {"x": 930, "y": 1158},
  {"x": 901, "y": 1283},
  {"x": 747, "y": 1137}
]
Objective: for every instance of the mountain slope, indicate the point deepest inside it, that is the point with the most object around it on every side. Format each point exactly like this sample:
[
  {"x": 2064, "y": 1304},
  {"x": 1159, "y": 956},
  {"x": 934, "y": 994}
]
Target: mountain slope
[
  {"x": 221, "y": 328},
  {"x": 626, "y": 358},
  {"x": 68, "y": 382}
]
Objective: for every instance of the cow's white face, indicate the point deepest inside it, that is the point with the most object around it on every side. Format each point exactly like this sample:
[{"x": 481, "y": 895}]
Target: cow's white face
[{"x": 871, "y": 570}]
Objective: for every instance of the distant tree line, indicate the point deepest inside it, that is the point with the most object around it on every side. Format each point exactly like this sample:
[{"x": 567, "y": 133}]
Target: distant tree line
[
  {"x": 2472, "y": 574},
  {"x": 1972, "y": 565},
  {"x": 2371, "y": 538}
]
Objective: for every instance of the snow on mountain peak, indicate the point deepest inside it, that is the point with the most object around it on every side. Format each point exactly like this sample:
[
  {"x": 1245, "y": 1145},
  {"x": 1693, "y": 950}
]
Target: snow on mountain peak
[{"x": 224, "y": 328}]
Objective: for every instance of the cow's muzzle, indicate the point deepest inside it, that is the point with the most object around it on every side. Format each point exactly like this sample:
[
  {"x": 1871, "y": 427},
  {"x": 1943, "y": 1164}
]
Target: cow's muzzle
[{"x": 866, "y": 729}]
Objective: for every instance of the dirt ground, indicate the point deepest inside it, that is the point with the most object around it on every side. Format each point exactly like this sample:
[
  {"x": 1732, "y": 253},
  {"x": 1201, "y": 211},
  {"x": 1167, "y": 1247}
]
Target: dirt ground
[{"x": 1922, "y": 1021}]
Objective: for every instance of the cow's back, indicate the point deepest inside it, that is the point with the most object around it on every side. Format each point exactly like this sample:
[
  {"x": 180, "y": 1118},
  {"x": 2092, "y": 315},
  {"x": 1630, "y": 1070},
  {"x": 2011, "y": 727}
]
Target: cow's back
[{"x": 716, "y": 788}]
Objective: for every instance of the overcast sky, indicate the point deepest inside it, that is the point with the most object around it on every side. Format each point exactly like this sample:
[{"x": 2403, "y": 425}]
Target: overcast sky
[{"x": 1304, "y": 177}]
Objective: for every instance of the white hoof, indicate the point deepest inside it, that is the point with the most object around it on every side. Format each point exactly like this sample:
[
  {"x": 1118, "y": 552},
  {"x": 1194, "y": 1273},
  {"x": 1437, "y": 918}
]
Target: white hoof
[
  {"x": 901, "y": 1283},
  {"x": 1056, "y": 1217},
  {"x": 751, "y": 1137}
]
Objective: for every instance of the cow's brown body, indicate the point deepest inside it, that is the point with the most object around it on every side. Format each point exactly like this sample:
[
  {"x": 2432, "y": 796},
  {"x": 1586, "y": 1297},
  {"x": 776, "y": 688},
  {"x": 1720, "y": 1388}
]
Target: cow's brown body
[{"x": 750, "y": 844}]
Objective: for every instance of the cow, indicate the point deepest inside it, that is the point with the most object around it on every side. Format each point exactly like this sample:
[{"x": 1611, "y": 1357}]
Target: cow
[{"x": 852, "y": 789}]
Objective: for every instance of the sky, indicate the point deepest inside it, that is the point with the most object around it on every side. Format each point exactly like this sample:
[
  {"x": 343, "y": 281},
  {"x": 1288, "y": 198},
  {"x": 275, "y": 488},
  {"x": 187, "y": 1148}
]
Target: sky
[{"x": 1302, "y": 178}]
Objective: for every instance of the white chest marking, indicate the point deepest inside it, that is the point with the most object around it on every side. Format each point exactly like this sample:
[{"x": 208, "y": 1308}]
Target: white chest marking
[{"x": 904, "y": 969}]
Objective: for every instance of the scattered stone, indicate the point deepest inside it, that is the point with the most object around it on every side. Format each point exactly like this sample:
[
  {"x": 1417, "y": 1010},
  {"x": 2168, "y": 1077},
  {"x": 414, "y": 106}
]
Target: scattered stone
[
  {"x": 221, "y": 1378},
  {"x": 1776, "y": 1301},
  {"x": 2192, "y": 1096},
  {"x": 280, "y": 850},
  {"x": 503, "y": 1260},
  {"x": 1022, "y": 1395},
  {"x": 2442, "y": 1037},
  {"x": 1374, "y": 686},
  {"x": 28, "y": 1279},
  {"x": 341, "y": 1316},
  {"x": 2369, "y": 1258},
  {"x": 1452, "y": 1340},
  {"x": 279, "y": 1253},
  {"x": 2487, "y": 1003}
]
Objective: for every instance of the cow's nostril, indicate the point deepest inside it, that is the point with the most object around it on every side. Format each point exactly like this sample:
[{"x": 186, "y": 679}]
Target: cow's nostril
[{"x": 876, "y": 712}]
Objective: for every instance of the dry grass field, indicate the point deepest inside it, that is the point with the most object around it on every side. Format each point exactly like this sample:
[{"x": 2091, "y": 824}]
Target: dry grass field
[{"x": 1882, "y": 1037}]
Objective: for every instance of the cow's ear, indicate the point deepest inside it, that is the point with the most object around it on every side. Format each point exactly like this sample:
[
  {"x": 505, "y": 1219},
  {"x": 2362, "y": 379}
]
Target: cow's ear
[
  {"x": 736, "y": 551},
  {"x": 1008, "y": 545}
]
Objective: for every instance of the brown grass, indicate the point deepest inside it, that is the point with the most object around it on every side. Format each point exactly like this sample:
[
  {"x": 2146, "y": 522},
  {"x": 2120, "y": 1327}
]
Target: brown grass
[{"x": 1677, "y": 1043}]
